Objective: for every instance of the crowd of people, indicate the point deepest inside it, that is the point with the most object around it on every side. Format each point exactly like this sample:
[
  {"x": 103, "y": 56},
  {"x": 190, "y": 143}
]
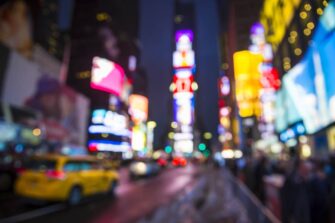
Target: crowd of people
[{"x": 307, "y": 194}]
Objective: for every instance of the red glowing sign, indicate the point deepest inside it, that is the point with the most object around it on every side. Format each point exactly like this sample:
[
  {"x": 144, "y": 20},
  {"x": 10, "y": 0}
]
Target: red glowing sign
[
  {"x": 183, "y": 84},
  {"x": 107, "y": 76},
  {"x": 270, "y": 78}
]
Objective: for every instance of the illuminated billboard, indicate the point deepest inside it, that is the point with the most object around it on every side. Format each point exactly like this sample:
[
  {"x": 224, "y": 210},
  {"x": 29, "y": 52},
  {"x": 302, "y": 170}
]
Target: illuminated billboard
[
  {"x": 108, "y": 122},
  {"x": 184, "y": 110},
  {"x": 108, "y": 146},
  {"x": 276, "y": 16},
  {"x": 107, "y": 76},
  {"x": 183, "y": 59},
  {"x": 311, "y": 82},
  {"x": 184, "y": 55},
  {"x": 138, "y": 140},
  {"x": 247, "y": 80},
  {"x": 138, "y": 108},
  {"x": 183, "y": 84}
]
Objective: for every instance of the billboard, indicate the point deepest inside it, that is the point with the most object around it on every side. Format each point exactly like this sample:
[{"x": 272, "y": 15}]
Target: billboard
[
  {"x": 184, "y": 110},
  {"x": 311, "y": 82},
  {"x": 247, "y": 81},
  {"x": 138, "y": 108},
  {"x": 184, "y": 55},
  {"x": 107, "y": 76},
  {"x": 15, "y": 27},
  {"x": 108, "y": 122},
  {"x": 63, "y": 111},
  {"x": 275, "y": 16},
  {"x": 183, "y": 84}
]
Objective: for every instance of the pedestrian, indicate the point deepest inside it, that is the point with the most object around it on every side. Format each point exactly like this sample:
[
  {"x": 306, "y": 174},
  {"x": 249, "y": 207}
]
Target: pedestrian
[
  {"x": 318, "y": 191},
  {"x": 295, "y": 195}
]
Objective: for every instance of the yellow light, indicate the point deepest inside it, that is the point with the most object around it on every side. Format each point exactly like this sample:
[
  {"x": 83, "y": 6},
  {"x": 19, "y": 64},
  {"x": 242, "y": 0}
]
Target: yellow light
[
  {"x": 297, "y": 51},
  {"x": 156, "y": 154},
  {"x": 303, "y": 15},
  {"x": 306, "y": 151},
  {"x": 287, "y": 66},
  {"x": 225, "y": 66},
  {"x": 151, "y": 124},
  {"x": 172, "y": 87},
  {"x": 307, "y": 7},
  {"x": 287, "y": 60},
  {"x": 104, "y": 135},
  {"x": 171, "y": 135},
  {"x": 276, "y": 15},
  {"x": 37, "y": 132},
  {"x": 102, "y": 16},
  {"x": 310, "y": 25},
  {"x": 291, "y": 40},
  {"x": 208, "y": 135},
  {"x": 178, "y": 18},
  {"x": 225, "y": 122},
  {"x": 247, "y": 81},
  {"x": 307, "y": 32},
  {"x": 174, "y": 125},
  {"x": 319, "y": 11},
  {"x": 194, "y": 86},
  {"x": 325, "y": 3},
  {"x": 293, "y": 34}
]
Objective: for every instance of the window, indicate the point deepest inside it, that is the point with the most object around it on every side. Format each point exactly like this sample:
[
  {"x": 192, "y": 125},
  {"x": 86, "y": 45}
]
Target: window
[
  {"x": 86, "y": 165},
  {"x": 72, "y": 166}
]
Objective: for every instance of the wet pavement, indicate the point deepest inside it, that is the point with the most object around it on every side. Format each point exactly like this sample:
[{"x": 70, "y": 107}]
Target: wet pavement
[{"x": 133, "y": 201}]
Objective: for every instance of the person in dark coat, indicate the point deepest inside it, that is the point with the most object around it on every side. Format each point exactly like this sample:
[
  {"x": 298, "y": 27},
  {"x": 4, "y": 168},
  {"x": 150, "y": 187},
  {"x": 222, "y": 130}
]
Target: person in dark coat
[
  {"x": 318, "y": 190},
  {"x": 295, "y": 198}
]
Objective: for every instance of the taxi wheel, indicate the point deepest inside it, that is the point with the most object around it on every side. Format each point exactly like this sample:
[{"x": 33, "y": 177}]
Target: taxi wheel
[{"x": 75, "y": 196}]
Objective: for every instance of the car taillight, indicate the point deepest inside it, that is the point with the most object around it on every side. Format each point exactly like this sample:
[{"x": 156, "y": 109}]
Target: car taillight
[
  {"x": 55, "y": 174},
  {"x": 183, "y": 162}
]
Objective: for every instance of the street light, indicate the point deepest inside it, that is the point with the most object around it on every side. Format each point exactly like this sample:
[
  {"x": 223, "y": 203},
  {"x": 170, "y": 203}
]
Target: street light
[
  {"x": 151, "y": 124},
  {"x": 174, "y": 125},
  {"x": 208, "y": 135}
]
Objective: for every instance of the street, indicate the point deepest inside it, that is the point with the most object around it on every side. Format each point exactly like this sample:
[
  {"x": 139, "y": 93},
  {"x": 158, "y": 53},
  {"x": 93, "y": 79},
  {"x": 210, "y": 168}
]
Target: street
[{"x": 127, "y": 206}]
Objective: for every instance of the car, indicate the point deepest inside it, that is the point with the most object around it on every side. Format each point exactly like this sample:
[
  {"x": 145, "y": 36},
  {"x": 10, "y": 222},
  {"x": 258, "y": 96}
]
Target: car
[
  {"x": 179, "y": 161},
  {"x": 162, "y": 162},
  {"x": 141, "y": 168},
  {"x": 64, "y": 178}
]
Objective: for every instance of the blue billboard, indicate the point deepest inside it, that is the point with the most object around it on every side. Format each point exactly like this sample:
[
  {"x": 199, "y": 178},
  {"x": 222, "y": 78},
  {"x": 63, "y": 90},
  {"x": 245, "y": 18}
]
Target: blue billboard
[{"x": 311, "y": 83}]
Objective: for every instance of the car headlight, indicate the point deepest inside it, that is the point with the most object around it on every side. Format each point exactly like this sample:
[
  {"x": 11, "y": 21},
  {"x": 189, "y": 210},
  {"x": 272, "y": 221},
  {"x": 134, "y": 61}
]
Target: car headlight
[{"x": 139, "y": 168}]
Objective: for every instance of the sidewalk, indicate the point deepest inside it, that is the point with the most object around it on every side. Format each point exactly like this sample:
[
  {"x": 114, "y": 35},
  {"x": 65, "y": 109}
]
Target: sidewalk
[{"x": 211, "y": 201}]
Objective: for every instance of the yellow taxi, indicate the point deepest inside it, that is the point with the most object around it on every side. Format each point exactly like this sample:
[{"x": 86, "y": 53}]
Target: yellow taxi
[{"x": 64, "y": 178}]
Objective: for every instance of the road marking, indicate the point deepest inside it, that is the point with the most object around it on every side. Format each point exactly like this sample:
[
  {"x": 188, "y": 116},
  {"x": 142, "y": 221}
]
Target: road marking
[{"x": 33, "y": 214}]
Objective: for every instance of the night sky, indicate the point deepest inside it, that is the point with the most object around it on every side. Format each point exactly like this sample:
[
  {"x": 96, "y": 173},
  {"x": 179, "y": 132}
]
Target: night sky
[{"x": 156, "y": 34}]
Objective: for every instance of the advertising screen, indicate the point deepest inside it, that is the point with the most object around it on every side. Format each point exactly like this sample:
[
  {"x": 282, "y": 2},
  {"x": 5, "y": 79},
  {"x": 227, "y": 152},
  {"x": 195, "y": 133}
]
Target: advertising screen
[
  {"x": 138, "y": 108},
  {"x": 108, "y": 122},
  {"x": 276, "y": 15},
  {"x": 183, "y": 84},
  {"x": 311, "y": 82},
  {"x": 184, "y": 110},
  {"x": 107, "y": 76},
  {"x": 63, "y": 112},
  {"x": 286, "y": 111},
  {"x": 183, "y": 59},
  {"x": 248, "y": 85},
  {"x": 16, "y": 26}
]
